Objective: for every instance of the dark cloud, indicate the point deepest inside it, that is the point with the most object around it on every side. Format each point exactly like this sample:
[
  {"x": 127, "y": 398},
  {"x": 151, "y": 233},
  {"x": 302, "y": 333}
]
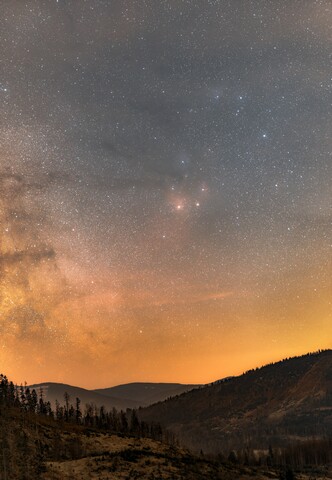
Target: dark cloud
[{"x": 32, "y": 256}]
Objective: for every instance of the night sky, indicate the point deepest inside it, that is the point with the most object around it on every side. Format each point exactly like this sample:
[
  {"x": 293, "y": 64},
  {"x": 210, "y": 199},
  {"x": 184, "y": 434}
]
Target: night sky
[{"x": 166, "y": 187}]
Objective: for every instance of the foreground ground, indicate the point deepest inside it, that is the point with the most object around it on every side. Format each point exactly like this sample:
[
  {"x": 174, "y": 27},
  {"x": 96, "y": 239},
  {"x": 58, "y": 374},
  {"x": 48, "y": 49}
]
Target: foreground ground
[
  {"x": 114, "y": 457},
  {"x": 35, "y": 447}
]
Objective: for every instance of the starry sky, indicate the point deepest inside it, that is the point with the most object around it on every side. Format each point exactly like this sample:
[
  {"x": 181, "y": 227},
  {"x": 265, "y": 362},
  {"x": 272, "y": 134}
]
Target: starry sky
[{"x": 166, "y": 187}]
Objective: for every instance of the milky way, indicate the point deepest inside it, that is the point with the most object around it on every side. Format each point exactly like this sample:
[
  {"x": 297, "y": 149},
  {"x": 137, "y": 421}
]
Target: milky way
[{"x": 166, "y": 187}]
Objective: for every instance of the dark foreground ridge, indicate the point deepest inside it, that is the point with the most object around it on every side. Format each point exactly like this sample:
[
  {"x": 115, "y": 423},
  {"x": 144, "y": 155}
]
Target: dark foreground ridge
[
  {"x": 269, "y": 407},
  {"x": 37, "y": 446}
]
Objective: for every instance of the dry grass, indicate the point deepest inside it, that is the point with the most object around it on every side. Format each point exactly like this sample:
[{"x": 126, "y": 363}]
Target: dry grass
[{"x": 120, "y": 458}]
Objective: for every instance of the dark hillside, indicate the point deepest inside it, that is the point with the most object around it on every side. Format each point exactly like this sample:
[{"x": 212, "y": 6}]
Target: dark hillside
[{"x": 273, "y": 404}]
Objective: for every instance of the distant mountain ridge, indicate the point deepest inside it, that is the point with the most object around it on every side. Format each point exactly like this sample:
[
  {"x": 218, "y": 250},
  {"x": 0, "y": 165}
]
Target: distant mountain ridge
[
  {"x": 55, "y": 391},
  {"x": 290, "y": 399},
  {"x": 121, "y": 397},
  {"x": 146, "y": 393}
]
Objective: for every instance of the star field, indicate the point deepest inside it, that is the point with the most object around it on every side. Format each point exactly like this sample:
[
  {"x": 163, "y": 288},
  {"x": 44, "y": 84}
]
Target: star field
[{"x": 166, "y": 187}]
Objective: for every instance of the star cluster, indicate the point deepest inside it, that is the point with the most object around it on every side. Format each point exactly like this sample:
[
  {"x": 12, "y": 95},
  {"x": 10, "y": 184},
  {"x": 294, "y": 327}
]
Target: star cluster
[{"x": 166, "y": 186}]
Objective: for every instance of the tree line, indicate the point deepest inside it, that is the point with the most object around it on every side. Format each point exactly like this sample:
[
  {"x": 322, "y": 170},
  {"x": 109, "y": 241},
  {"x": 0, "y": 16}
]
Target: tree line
[{"x": 91, "y": 416}]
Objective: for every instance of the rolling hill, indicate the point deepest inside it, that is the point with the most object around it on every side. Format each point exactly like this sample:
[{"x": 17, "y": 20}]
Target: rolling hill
[
  {"x": 145, "y": 394},
  {"x": 274, "y": 405},
  {"x": 131, "y": 395},
  {"x": 56, "y": 391}
]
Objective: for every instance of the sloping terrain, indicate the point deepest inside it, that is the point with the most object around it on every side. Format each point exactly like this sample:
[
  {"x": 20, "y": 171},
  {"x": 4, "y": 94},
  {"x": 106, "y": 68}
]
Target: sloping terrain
[
  {"x": 112, "y": 457},
  {"x": 145, "y": 394},
  {"x": 279, "y": 403},
  {"x": 35, "y": 447}
]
